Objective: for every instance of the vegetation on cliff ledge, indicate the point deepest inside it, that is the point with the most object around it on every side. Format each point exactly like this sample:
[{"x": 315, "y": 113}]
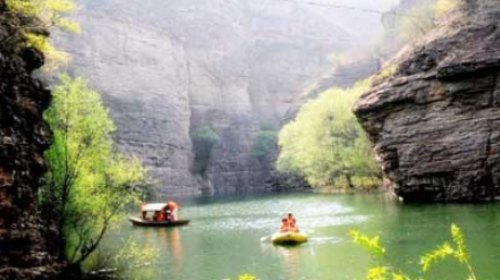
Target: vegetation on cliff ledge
[{"x": 40, "y": 16}]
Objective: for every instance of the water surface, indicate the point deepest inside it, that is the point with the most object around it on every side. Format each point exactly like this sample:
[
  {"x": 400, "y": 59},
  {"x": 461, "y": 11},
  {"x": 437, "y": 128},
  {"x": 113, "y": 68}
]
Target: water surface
[{"x": 224, "y": 237}]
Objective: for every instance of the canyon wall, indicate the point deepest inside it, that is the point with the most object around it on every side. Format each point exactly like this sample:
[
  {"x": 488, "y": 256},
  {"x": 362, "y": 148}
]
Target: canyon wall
[
  {"x": 168, "y": 68},
  {"x": 434, "y": 121},
  {"x": 23, "y": 138}
]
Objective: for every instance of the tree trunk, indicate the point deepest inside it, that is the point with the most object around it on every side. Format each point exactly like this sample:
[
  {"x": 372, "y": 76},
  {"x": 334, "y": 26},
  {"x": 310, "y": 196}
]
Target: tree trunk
[{"x": 349, "y": 181}]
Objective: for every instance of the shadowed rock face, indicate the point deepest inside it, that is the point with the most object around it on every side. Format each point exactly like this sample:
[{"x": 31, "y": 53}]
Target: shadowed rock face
[
  {"x": 23, "y": 138},
  {"x": 435, "y": 121}
]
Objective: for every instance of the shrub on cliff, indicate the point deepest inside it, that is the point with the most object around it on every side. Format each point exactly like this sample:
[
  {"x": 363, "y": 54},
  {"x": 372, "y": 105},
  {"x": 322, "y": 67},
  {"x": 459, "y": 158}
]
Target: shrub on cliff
[
  {"x": 204, "y": 140},
  {"x": 40, "y": 16},
  {"x": 265, "y": 144},
  {"x": 89, "y": 183},
  {"x": 421, "y": 19},
  {"x": 326, "y": 145}
]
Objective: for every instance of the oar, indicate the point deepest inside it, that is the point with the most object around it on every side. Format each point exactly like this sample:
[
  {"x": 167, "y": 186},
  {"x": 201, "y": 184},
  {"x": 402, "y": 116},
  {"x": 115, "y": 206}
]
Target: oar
[{"x": 265, "y": 239}]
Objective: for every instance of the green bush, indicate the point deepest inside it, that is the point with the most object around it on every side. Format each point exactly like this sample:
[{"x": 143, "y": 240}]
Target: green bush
[
  {"x": 265, "y": 144},
  {"x": 384, "y": 270},
  {"x": 204, "y": 140},
  {"x": 326, "y": 145}
]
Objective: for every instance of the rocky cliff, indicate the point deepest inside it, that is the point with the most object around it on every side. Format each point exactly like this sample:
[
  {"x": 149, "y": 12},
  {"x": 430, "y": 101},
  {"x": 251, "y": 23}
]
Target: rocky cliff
[
  {"x": 23, "y": 138},
  {"x": 434, "y": 122},
  {"x": 167, "y": 68}
]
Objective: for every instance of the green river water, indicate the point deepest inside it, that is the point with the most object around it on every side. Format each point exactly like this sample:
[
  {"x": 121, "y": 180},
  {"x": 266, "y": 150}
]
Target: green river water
[{"x": 224, "y": 237}]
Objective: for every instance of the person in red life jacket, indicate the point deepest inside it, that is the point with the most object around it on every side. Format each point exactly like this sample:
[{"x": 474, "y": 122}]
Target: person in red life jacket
[
  {"x": 292, "y": 223},
  {"x": 285, "y": 226},
  {"x": 162, "y": 216},
  {"x": 156, "y": 216},
  {"x": 172, "y": 207}
]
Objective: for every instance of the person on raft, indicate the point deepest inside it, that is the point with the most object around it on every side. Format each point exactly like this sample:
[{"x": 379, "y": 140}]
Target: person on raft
[{"x": 289, "y": 224}]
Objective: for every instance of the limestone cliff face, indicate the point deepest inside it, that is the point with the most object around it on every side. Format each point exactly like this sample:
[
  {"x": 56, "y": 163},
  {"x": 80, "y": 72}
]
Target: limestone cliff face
[
  {"x": 434, "y": 122},
  {"x": 23, "y": 138},
  {"x": 167, "y": 68}
]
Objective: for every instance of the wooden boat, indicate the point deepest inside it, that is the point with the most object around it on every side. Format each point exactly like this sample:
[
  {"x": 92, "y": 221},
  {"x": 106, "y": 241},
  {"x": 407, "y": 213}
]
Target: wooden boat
[
  {"x": 289, "y": 238},
  {"x": 149, "y": 223},
  {"x": 157, "y": 208}
]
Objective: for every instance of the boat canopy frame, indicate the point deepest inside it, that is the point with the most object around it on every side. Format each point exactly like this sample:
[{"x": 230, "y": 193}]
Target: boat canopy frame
[{"x": 153, "y": 207}]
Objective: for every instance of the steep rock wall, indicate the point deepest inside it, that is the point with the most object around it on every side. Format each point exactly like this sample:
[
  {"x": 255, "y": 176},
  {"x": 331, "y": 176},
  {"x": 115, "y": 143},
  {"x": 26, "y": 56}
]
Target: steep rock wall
[
  {"x": 23, "y": 138},
  {"x": 434, "y": 122},
  {"x": 167, "y": 68},
  {"x": 143, "y": 76}
]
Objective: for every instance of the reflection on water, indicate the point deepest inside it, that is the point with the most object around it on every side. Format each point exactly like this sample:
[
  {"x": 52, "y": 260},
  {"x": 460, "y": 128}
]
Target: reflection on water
[
  {"x": 224, "y": 237},
  {"x": 291, "y": 261},
  {"x": 174, "y": 243}
]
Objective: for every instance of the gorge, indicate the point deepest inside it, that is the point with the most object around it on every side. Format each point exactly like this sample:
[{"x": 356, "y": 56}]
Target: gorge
[
  {"x": 198, "y": 90},
  {"x": 238, "y": 68}
]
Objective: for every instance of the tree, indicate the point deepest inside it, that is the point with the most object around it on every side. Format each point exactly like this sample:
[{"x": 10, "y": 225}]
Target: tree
[
  {"x": 325, "y": 143},
  {"x": 89, "y": 183},
  {"x": 204, "y": 140},
  {"x": 265, "y": 145}
]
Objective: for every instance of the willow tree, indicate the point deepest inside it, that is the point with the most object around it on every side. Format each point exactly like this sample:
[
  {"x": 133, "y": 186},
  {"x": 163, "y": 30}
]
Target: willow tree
[
  {"x": 89, "y": 183},
  {"x": 326, "y": 145}
]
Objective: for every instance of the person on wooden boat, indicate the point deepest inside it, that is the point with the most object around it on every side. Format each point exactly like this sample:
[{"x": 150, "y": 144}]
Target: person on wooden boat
[
  {"x": 159, "y": 216},
  {"x": 144, "y": 212},
  {"x": 162, "y": 217},
  {"x": 169, "y": 216},
  {"x": 172, "y": 207}
]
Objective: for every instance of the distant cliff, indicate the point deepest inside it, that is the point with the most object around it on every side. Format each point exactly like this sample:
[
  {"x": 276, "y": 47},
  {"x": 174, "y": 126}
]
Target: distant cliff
[
  {"x": 23, "y": 138},
  {"x": 168, "y": 68},
  {"x": 434, "y": 121}
]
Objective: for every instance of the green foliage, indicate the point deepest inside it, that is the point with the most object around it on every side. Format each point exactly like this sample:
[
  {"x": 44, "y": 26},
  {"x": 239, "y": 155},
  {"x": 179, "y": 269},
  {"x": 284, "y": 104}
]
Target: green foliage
[
  {"x": 442, "y": 7},
  {"x": 89, "y": 184},
  {"x": 45, "y": 14},
  {"x": 384, "y": 270},
  {"x": 121, "y": 264},
  {"x": 326, "y": 145},
  {"x": 204, "y": 140},
  {"x": 457, "y": 252},
  {"x": 131, "y": 254},
  {"x": 265, "y": 144},
  {"x": 55, "y": 57},
  {"x": 423, "y": 18},
  {"x": 372, "y": 245},
  {"x": 246, "y": 276}
]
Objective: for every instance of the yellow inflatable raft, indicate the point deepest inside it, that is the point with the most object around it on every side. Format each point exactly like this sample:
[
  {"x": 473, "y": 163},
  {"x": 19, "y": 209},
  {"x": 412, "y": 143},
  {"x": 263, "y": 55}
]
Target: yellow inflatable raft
[{"x": 289, "y": 238}]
